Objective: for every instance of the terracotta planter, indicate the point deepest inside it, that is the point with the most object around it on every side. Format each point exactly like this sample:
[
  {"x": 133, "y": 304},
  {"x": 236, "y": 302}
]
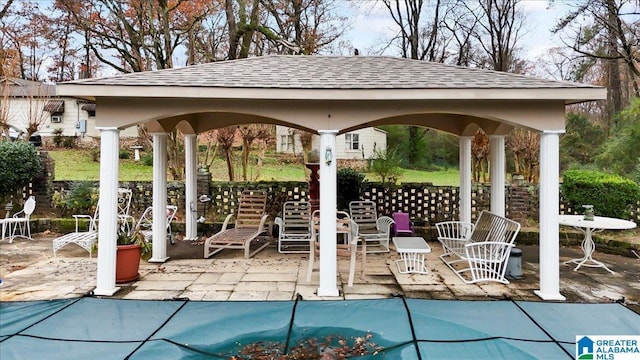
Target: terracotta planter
[{"x": 127, "y": 263}]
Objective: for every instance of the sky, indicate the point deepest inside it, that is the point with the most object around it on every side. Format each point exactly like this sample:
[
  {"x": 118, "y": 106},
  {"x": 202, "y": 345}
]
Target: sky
[{"x": 372, "y": 22}]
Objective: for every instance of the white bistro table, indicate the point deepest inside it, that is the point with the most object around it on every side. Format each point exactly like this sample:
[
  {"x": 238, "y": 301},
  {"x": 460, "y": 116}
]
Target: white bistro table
[
  {"x": 588, "y": 227},
  {"x": 412, "y": 251}
]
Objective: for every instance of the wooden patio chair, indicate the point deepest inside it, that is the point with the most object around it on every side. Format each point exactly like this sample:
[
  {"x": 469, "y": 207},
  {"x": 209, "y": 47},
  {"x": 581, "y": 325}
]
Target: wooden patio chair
[
  {"x": 250, "y": 227},
  {"x": 344, "y": 225},
  {"x": 374, "y": 230},
  {"x": 478, "y": 252},
  {"x": 294, "y": 229}
]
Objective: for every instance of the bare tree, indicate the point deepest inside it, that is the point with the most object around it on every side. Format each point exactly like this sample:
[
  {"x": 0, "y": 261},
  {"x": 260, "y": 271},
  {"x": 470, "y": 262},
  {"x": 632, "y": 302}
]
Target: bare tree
[
  {"x": 225, "y": 138},
  {"x": 606, "y": 32}
]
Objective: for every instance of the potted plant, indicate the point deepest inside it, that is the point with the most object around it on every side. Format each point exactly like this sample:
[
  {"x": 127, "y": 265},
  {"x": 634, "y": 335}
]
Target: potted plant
[{"x": 131, "y": 247}]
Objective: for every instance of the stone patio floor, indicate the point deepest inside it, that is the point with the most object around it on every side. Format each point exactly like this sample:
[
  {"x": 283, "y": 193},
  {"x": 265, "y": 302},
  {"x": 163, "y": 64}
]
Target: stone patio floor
[{"x": 30, "y": 272}]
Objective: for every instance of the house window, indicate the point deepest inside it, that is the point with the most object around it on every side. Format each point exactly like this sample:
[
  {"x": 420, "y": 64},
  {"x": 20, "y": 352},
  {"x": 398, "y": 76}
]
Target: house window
[
  {"x": 352, "y": 141},
  {"x": 286, "y": 142}
]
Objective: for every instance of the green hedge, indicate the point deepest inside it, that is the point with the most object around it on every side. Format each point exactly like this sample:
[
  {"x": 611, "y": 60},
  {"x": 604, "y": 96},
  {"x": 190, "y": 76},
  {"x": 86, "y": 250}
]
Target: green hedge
[{"x": 610, "y": 194}]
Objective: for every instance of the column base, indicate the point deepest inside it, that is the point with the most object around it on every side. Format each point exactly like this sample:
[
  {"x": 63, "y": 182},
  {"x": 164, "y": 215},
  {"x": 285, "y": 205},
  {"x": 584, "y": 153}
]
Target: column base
[
  {"x": 190, "y": 239},
  {"x": 549, "y": 296},
  {"x": 328, "y": 292},
  {"x": 105, "y": 292},
  {"x": 158, "y": 260}
]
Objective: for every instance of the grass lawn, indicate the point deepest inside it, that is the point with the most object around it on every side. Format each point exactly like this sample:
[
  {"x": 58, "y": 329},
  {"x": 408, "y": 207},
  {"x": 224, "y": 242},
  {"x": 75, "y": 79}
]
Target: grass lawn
[{"x": 77, "y": 164}]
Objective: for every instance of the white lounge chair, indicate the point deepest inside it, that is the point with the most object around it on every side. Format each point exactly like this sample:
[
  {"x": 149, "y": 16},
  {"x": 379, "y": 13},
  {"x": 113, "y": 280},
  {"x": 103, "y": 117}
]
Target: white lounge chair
[{"x": 478, "y": 252}]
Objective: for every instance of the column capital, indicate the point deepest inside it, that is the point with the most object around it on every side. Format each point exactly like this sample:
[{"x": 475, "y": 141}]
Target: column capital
[
  {"x": 335, "y": 132},
  {"x": 107, "y": 128},
  {"x": 552, "y": 132},
  {"x": 159, "y": 133}
]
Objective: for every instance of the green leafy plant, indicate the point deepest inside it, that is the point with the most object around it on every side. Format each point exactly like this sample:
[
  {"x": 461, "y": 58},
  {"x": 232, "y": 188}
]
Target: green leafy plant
[
  {"x": 19, "y": 164},
  {"x": 57, "y": 137},
  {"x": 386, "y": 165},
  {"x": 81, "y": 198},
  {"x": 135, "y": 237},
  {"x": 609, "y": 194},
  {"x": 350, "y": 184}
]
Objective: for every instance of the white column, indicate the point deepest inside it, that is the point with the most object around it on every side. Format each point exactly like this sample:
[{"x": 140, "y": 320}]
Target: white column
[
  {"x": 159, "y": 248},
  {"x": 465, "y": 178},
  {"x": 190, "y": 187},
  {"x": 328, "y": 265},
  {"x": 549, "y": 212},
  {"x": 497, "y": 173},
  {"x": 108, "y": 212}
]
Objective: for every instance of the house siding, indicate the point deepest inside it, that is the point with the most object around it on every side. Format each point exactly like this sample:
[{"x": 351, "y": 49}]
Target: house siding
[{"x": 368, "y": 139}]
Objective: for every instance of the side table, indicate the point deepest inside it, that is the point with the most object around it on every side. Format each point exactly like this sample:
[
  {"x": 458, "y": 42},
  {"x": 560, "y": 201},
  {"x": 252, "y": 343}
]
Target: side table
[{"x": 412, "y": 252}]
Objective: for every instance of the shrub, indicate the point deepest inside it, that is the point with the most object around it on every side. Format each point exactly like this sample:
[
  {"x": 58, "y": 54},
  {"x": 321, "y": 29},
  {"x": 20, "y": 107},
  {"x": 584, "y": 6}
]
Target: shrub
[
  {"x": 147, "y": 159},
  {"x": 19, "y": 164},
  {"x": 124, "y": 154},
  {"x": 57, "y": 137},
  {"x": 350, "y": 184},
  {"x": 82, "y": 197},
  {"x": 609, "y": 194},
  {"x": 69, "y": 142}
]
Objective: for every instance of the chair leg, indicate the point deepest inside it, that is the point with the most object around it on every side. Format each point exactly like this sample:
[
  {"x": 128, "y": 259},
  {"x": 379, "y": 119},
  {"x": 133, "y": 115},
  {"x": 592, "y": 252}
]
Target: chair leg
[{"x": 312, "y": 256}]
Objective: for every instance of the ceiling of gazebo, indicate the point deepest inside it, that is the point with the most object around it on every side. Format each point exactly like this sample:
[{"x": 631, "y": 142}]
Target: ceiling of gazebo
[{"x": 330, "y": 93}]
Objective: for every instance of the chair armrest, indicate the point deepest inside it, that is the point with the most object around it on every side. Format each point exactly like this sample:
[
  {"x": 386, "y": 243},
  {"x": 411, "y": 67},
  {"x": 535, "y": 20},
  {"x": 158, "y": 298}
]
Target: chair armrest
[
  {"x": 18, "y": 214},
  {"x": 226, "y": 222},
  {"x": 280, "y": 223},
  {"x": 77, "y": 217}
]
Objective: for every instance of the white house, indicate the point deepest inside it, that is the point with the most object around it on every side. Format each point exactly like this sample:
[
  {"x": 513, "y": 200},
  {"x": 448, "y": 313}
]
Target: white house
[
  {"x": 23, "y": 102},
  {"x": 356, "y": 145}
]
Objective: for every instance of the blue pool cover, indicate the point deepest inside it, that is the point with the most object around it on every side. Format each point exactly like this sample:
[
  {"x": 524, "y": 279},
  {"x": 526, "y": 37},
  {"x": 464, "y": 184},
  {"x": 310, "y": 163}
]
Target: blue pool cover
[{"x": 396, "y": 328}]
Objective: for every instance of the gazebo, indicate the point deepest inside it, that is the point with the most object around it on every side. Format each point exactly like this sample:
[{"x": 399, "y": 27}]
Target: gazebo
[{"x": 328, "y": 95}]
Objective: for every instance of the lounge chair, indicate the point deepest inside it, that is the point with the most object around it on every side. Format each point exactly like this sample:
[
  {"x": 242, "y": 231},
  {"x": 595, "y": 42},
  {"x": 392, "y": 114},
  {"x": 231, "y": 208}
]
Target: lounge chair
[
  {"x": 478, "y": 252},
  {"x": 293, "y": 227},
  {"x": 250, "y": 227},
  {"x": 19, "y": 224},
  {"x": 83, "y": 238},
  {"x": 345, "y": 225},
  {"x": 86, "y": 239},
  {"x": 145, "y": 223},
  {"x": 376, "y": 231}
]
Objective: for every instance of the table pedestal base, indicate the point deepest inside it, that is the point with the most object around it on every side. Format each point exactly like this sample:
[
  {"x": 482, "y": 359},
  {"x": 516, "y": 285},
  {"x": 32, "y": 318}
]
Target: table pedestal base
[{"x": 588, "y": 247}]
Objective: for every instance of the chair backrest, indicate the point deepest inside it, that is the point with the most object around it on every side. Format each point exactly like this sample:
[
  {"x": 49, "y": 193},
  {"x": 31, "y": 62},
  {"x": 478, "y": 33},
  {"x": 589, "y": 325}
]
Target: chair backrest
[
  {"x": 146, "y": 219},
  {"x": 492, "y": 227},
  {"x": 251, "y": 208},
  {"x": 402, "y": 223},
  {"x": 29, "y": 206},
  {"x": 296, "y": 216},
  {"x": 124, "y": 201},
  {"x": 343, "y": 220},
  {"x": 364, "y": 214}
]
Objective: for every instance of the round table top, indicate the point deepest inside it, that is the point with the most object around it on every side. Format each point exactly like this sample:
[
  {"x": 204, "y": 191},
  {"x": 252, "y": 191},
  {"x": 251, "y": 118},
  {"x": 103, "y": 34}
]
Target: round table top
[{"x": 598, "y": 222}]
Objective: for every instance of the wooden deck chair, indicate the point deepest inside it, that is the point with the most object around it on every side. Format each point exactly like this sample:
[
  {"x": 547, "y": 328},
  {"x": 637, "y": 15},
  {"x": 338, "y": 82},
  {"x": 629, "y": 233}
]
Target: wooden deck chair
[
  {"x": 19, "y": 224},
  {"x": 294, "y": 231},
  {"x": 145, "y": 223},
  {"x": 250, "y": 227},
  {"x": 344, "y": 224},
  {"x": 478, "y": 252},
  {"x": 376, "y": 231}
]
